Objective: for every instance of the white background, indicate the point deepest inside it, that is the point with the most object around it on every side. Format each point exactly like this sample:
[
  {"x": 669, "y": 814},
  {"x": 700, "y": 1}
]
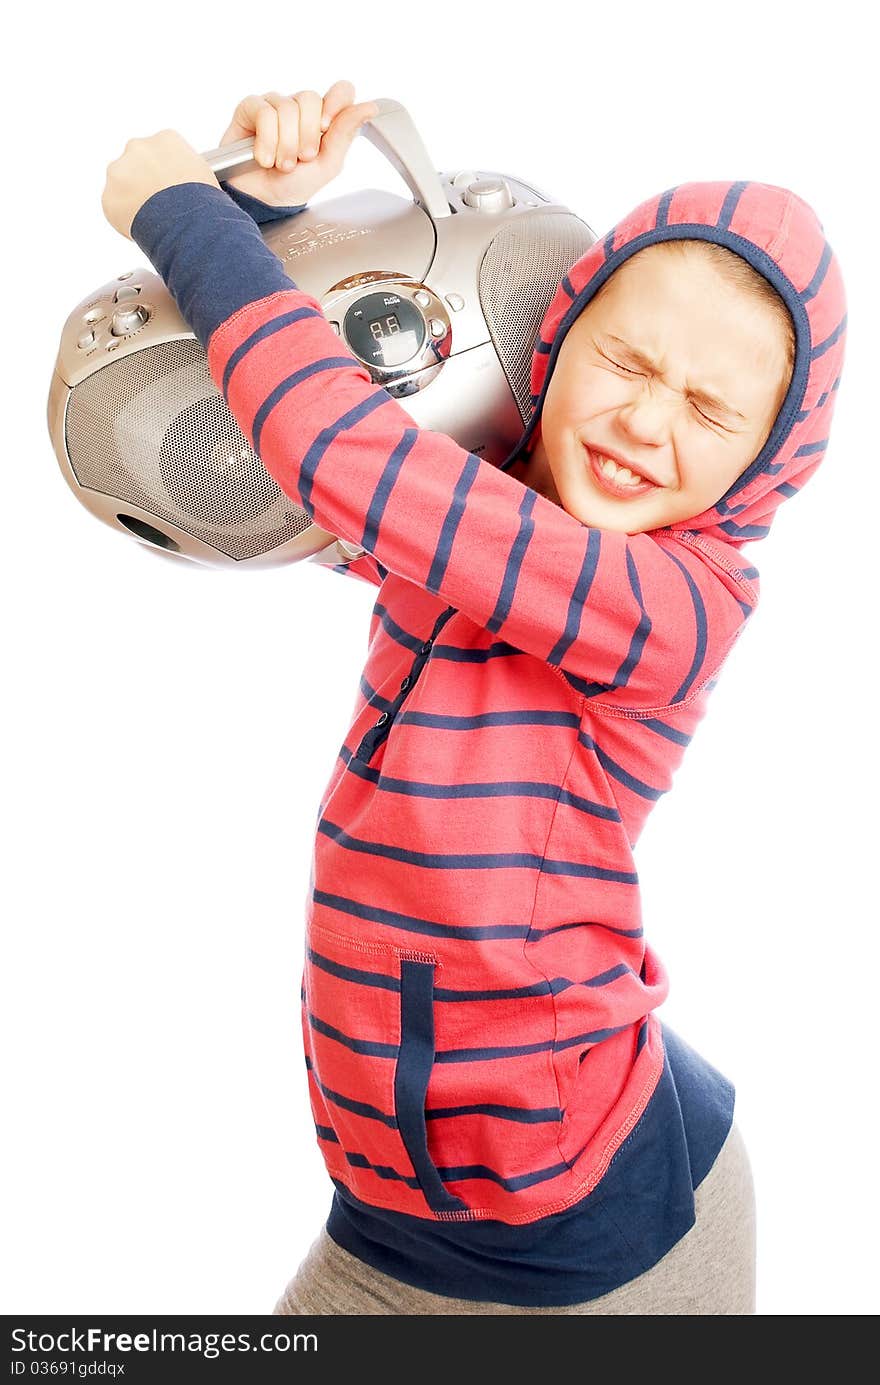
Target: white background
[{"x": 170, "y": 728}]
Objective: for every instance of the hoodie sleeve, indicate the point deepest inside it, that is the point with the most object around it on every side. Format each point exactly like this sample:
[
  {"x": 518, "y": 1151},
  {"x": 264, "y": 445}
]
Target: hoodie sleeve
[
  {"x": 364, "y": 567},
  {"x": 259, "y": 211},
  {"x": 638, "y": 621}
]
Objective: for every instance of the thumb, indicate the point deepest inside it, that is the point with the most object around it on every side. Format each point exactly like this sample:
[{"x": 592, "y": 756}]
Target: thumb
[{"x": 337, "y": 139}]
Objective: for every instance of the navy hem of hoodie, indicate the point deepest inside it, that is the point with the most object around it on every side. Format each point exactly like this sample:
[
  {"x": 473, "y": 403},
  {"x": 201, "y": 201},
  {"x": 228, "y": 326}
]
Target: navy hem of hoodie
[{"x": 583, "y": 1252}]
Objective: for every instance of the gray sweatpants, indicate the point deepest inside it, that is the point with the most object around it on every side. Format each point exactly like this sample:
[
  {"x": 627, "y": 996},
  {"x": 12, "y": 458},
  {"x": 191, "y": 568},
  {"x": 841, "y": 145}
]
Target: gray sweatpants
[{"x": 710, "y": 1270}]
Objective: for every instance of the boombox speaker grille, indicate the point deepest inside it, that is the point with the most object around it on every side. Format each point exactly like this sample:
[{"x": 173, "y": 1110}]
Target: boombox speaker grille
[
  {"x": 152, "y": 429},
  {"x": 518, "y": 278}
]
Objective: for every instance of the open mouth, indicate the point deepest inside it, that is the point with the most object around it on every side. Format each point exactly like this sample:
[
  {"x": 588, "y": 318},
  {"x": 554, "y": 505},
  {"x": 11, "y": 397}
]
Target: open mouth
[{"x": 615, "y": 480}]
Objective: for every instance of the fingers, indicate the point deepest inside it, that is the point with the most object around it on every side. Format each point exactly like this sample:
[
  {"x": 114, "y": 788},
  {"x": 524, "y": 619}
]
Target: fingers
[
  {"x": 290, "y": 132},
  {"x": 337, "y": 140},
  {"x": 309, "y": 105},
  {"x": 290, "y": 128},
  {"x": 338, "y": 96}
]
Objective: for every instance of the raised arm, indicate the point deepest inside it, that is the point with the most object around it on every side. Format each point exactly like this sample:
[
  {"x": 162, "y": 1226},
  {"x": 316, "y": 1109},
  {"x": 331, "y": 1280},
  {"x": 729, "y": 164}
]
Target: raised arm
[{"x": 638, "y": 621}]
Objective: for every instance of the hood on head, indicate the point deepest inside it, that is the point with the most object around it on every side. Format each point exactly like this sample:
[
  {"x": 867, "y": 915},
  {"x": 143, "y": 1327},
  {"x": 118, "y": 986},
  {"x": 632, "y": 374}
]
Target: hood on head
[{"x": 780, "y": 236}]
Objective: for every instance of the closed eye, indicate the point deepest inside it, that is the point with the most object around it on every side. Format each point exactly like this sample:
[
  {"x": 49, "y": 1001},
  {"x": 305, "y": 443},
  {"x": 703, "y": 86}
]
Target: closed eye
[
  {"x": 628, "y": 371},
  {"x": 622, "y": 367}
]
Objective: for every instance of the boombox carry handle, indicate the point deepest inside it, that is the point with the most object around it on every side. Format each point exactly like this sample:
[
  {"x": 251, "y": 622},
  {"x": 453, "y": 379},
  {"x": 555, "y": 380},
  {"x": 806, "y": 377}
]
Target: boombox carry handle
[{"x": 394, "y": 135}]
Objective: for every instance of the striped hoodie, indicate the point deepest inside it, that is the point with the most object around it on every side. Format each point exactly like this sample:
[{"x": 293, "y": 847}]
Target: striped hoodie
[{"x": 488, "y": 1076}]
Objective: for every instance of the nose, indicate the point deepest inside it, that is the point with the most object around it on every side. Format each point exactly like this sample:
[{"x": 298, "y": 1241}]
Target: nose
[{"x": 646, "y": 424}]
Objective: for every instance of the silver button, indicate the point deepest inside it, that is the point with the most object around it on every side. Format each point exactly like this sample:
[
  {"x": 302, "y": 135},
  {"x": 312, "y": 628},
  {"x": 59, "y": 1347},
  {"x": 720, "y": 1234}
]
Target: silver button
[
  {"x": 126, "y": 293},
  {"x": 455, "y": 301},
  {"x": 93, "y": 315},
  {"x": 438, "y": 327},
  {"x": 127, "y": 275},
  {"x": 422, "y": 298},
  {"x": 128, "y": 318},
  {"x": 86, "y": 340}
]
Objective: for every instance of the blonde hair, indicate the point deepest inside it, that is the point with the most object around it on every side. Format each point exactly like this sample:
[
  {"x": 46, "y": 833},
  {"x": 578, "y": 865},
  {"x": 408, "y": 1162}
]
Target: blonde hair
[{"x": 736, "y": 271}]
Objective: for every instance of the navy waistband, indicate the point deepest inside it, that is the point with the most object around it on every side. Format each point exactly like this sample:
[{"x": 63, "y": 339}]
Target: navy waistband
[{"x": 642, "y": 1206}]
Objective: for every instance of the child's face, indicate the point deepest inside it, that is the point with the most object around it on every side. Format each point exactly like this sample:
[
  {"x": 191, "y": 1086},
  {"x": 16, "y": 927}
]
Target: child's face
[{"x": 703, "y": 335}]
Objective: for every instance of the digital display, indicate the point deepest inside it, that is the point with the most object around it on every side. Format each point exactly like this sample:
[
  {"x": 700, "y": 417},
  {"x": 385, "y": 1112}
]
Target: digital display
[{"x": 384, "y": 329}]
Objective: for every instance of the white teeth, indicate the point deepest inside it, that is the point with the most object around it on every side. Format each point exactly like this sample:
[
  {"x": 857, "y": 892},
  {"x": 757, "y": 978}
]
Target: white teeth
[{"x": 619, "y": 473}]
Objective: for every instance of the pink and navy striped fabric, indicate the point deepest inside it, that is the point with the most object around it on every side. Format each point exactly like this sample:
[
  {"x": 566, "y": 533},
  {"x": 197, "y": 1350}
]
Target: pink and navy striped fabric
[{"x": 479, "y": 996}]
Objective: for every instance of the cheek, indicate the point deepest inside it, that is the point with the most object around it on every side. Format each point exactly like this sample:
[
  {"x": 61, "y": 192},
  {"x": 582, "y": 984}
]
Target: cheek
[{"x": 584, "y": 398}]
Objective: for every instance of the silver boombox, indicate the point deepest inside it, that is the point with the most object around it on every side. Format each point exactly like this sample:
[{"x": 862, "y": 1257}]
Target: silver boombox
[{"x": 144, "y": 437}]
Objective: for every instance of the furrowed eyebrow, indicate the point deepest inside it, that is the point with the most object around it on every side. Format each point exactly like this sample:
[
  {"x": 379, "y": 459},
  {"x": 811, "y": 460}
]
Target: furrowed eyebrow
[{"x": 705, "y": 396}]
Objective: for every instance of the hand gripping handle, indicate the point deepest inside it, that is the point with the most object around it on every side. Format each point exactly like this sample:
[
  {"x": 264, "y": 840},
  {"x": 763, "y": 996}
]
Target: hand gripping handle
[{"x": 394, "y": 135}]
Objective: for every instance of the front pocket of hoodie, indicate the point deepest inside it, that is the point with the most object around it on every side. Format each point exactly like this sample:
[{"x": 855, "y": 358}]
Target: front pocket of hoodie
[{"x": 368, "y": 1027}]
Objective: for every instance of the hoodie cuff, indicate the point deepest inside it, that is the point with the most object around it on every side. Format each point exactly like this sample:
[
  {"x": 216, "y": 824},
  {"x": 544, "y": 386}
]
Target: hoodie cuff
[
  {"x": 209, "y": 252},
  {"x": 259, "y": 211}
]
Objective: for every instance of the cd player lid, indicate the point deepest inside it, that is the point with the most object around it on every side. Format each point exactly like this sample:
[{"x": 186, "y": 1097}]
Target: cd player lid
[{"x": 781, "y": 236}]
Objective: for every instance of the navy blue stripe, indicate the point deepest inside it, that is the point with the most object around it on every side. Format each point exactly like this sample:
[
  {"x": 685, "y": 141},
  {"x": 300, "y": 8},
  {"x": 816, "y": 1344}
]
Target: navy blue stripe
[
  {"x": 327, "y": 435},
  {"x": 809, "y": 448},
  {"x": 642, "y": 630},
  {"x": 411, "y": 1079},
  {"x": 825, "y": 345},
  {"x": 384, "y": 487},
  {"x": 514, "y": 562},
  {"x": 405, "y": 638},
  {"x": 499, "y": 649},
  {"x": 662, "y": 217},
  {"x": 267, "y": 329},
  {"x": 479, "y": 1055},
  {"x": 550, "y": 987},
  {"x": 617, "y": 771},
  {"x": 347, "y": 1103},
  {"x": 408, "y": 923},
  {"x": 818, "y": 278},
  {"x": 370, "y": 1046},
  {"x": 526, "y": 717},
  {"x": 360, "y": 976},
  {"x": 744, "y": 531},
  {"x": 459, "y": 1172},
  {"x": 325, "y": 1133},
  {"x": 463, "y": 860},
  {"x": 702, "y": 632},
  {"x": 579, "y": 597},
  {"x": 524, "y": 1115},
  {"x": 360, "y": 1161},
  {"x": 455, "y": 1055},
  {"x": 731, "y": 202},
  {"x": 511, "y": 789},
  {"x": 451, "y": 521},
  {"x": 668, "y": 732}
]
